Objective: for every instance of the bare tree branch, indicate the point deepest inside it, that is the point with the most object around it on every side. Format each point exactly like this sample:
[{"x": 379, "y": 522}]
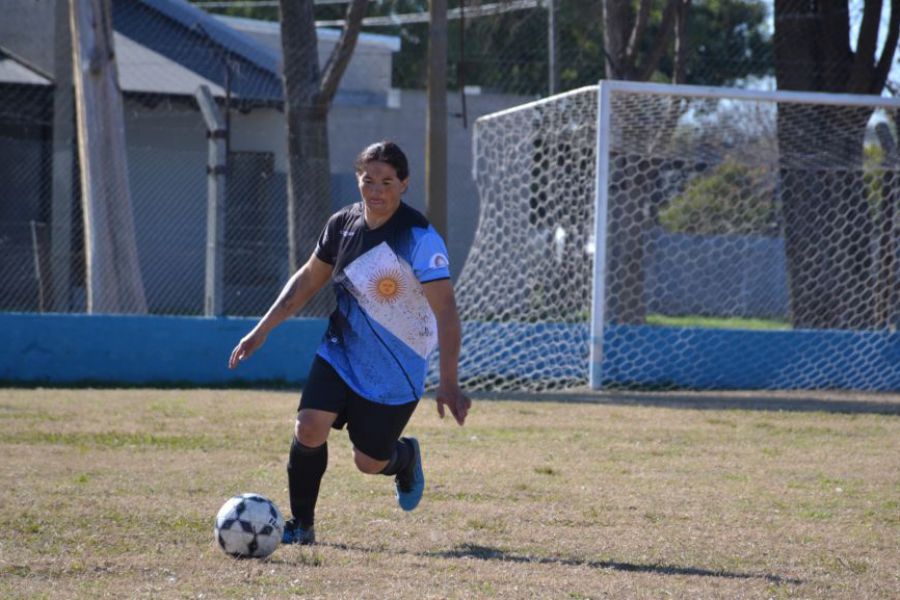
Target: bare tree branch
[
  {"x": 832, "y": 17},
  {"x": 661, "y": 43},
  {"x": 343, "y": 51},
  {"x": 681, "y": 41},
  {"x": 890, "y": 48},
  {"x": 866, "y": 45},
  {"x": 637, "y": 32},
  {"x": 617, "y": 20}
]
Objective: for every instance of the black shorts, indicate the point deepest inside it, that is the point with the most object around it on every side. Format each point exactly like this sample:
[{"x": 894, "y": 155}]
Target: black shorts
[{"x": 374, "y": 428}]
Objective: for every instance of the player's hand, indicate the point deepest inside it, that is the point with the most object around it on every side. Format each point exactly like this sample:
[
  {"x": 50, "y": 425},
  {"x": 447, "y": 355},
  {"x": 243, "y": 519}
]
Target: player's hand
[
  {"x": 249, "y": 344},
  {"x": 455, "y": 400}
]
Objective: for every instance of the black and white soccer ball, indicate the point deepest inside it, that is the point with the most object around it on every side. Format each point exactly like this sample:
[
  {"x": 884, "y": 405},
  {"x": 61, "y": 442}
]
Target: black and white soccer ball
[{"x": 249, "y": 526}]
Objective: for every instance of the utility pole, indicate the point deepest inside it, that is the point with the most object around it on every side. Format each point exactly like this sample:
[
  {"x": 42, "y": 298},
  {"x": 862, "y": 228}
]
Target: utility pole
[
  {"x": 552, "y": 47},
  {"x": 112, "y": 271},
  {"x": 436, "y": 126}
]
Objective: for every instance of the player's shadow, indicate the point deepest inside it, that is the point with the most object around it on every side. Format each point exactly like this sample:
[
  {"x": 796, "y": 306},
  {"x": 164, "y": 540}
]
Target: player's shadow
[
  {"x": 762, "y": 401},
  {"x": 487, "y": 553}
]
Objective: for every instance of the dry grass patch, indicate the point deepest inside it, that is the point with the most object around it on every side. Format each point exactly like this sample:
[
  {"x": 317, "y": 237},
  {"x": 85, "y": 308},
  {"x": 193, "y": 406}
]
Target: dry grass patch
[{"x": 112, "y": 493}]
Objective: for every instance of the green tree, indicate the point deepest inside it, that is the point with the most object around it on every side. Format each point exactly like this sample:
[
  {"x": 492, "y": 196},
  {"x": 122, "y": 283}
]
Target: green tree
[
  {"x": 829, "y": 232},
  {"x": 728, "y": 41},
  {"x": 731, "y": 199},
  {"x": 725, "y": 41}
]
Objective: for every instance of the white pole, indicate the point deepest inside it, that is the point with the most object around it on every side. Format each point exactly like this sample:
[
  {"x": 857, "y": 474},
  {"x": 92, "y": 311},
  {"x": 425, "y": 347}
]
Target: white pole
[{"x": 600, "y": 222}]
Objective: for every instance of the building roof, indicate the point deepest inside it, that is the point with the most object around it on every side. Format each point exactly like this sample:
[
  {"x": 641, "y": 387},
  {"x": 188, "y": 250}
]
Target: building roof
[
  {"x": 389, "y": 43},
  {"x": 166, "y": 47},
  {"x": 219, "y": 33},
  {"x": 12, "y": 71},
  {"x": 171, "y": 47},
  {"x": 141, "y": 70}
]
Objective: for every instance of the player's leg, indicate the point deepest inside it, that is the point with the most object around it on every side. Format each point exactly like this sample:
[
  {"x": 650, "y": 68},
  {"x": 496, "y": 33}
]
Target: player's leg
[
  {"x": 375, "y": 431},
  {"x": 323, "y": 399}
]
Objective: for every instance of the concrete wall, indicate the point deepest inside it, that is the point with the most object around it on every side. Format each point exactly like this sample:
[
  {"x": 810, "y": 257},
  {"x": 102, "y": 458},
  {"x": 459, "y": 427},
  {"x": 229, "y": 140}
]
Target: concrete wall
[
  {"x": 167, "y": 142},
  {"x": 140, "y": 350},
  {"x": 137, "y": 350},
  {"x": 167, "y": 158}
]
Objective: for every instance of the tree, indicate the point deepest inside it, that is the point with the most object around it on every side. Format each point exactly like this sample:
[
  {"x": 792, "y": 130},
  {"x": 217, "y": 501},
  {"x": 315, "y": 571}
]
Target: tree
[
  {"x": 308, "y": 94},
  {"x": 829, "y": 232},
  {"x": 631, "y": 52},
  {"x": 728, "y": 41},
  {"x": 730, "y": 200},
  {"x": 113, "y": 275}
]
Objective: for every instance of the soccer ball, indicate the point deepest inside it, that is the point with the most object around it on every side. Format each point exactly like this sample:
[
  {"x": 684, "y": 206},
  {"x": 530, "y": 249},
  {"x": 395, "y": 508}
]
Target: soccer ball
[{"x": 249, "y": 526}]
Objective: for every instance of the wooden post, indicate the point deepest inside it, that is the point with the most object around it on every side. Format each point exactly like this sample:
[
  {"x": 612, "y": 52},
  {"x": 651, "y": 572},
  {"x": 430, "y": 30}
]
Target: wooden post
[
  {"x": 62, "y": 182},
  {"x": 36, "y": 244},
  {"x": 436, "y": 125},
  {"x": 552, "y": 47},
  {"x": 112, "y": 271},
  {"x": 217, "y": 134}
]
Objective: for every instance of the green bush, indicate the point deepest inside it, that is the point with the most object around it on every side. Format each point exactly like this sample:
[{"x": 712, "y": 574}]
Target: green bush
[{"x": 730, "y": 199}]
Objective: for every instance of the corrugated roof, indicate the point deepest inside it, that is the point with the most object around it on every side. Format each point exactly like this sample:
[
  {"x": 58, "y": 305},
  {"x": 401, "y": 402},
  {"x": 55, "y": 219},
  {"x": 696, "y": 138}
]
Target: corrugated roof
[
  {"x": 171, "y": 47},
  {"x": 142, "y": 70},
  {"x": 172, "y": 35},
  {"x": 191, "y": 17}
]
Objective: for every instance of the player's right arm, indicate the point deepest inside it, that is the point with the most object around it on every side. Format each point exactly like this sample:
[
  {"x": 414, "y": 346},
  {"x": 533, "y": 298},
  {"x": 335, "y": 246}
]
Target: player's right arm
[{"x": 296, "y": 293}]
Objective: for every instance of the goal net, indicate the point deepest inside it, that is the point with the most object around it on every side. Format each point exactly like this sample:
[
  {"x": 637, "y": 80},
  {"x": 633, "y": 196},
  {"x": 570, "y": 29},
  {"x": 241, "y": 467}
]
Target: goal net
[{"x": 660, "y": 236}]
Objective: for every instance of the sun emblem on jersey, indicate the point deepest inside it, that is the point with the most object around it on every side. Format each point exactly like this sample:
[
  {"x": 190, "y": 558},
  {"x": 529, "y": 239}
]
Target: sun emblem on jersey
[{"x": 386, "y": 285}]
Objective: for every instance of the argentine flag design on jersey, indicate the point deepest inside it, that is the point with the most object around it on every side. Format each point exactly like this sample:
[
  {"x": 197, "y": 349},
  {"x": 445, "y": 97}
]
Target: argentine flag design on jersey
[
  {"x": 387, "y": 290},
  {"x": 383, "y": 329}
]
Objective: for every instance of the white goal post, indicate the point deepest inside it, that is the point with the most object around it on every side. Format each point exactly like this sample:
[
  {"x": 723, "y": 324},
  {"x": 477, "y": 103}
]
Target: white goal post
[{"x": 662, "y": 236}]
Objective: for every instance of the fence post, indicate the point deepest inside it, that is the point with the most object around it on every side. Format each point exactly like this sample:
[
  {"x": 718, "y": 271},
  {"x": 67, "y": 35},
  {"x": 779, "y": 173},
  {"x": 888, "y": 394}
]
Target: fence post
[{"x": 216, "y": 133}]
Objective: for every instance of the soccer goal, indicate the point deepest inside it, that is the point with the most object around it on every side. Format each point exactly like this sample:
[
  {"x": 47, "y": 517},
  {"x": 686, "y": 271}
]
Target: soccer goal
[{"x": 683, "y": 237}]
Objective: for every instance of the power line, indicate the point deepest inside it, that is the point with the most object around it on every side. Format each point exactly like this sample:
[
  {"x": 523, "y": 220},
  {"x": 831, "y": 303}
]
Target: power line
[
  {"x": 485, "y": 10},
  {"x": 253, "y": 4}
]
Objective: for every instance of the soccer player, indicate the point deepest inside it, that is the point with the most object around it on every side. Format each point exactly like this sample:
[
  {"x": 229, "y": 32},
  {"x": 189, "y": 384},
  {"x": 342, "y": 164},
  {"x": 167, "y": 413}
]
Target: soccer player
[{"x": 395, "y": 304}]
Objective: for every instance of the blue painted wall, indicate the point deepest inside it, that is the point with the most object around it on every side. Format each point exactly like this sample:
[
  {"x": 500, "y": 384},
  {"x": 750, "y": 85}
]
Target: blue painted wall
[
  {"x": 667, "y": 357},
  {"x": 686, "y": 358},
  {"x": 156, "y": 350},
  {"x": 149, "y": 350}
]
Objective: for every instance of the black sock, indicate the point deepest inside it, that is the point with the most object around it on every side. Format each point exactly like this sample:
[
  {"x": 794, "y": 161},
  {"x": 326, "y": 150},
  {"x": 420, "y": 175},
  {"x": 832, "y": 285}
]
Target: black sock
[
  {"x": 305, "y": 469},
  {"x": 400, "y": 459}
]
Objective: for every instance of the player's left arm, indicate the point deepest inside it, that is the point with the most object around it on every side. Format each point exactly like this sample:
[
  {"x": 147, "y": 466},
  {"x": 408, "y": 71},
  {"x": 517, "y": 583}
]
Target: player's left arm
[{"x": 440, "y": 296}]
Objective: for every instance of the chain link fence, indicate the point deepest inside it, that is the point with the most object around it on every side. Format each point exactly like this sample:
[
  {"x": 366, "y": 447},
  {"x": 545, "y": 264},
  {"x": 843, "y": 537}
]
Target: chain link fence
[
  {"x": 177, "y": 160},
  {"x": 165, "y": 51}
]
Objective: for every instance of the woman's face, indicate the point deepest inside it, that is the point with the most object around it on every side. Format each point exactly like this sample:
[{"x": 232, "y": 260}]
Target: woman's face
[{"x": 380, "y": 189}]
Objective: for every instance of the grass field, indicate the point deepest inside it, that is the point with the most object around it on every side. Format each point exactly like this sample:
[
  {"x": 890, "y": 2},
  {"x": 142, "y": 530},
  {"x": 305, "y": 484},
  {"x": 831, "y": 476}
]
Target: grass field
[
  {"x": 112, "y": 494},
  {"x": 716, "y": 322}
]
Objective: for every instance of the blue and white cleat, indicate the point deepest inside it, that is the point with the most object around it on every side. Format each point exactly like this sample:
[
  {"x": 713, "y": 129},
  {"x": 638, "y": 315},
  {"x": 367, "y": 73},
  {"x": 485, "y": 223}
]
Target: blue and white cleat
[
  {"x": 294, "y": 534},
  {"x": 411, "y": 484}
]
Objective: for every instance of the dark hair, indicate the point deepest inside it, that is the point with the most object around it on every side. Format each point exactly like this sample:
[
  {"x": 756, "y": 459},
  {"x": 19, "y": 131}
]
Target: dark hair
[{"x": 384, "y": 151}]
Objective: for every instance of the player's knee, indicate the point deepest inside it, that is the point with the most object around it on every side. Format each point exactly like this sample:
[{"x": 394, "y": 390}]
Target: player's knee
[
  {"x": 366, "y": 463},
  {"x": 309, "y": 434}
]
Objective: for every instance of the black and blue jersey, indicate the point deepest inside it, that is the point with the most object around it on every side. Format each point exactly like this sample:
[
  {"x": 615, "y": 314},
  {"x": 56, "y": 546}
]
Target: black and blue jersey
[{"x": 381, "y": 333}]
